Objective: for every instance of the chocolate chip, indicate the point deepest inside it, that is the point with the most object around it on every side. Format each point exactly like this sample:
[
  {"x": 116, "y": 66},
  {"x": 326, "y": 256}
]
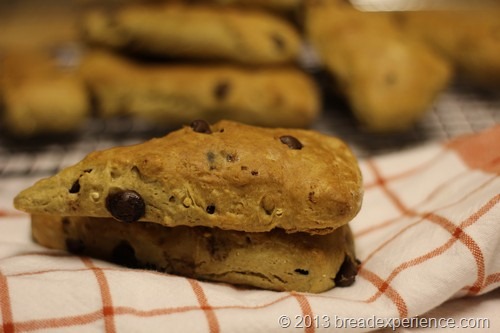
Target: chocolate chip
[
  {"x": 75, "y": 188},
  {"x": 291, "y": 142},
  {"x": 254, "y": 173},
  {"x": 347, "y": 273},
  {"x": 126, "y": 206},
  {"x": 201, "y": 126},
  {"x": 217, "y": 247},
  {"x": 76, "y": 246},
  {"x": 65, "y": 225},
  {"x": 278, "y": 41},
  {"x": 124, "y": 254},
  {"x": 221, "y": 90},
  {"x": 302, "y": 271},
  {"x": 231, "y": 158},
  {"x": 210, "y": 209},
  {"x": 311, "y": 197},
  {"x": 210, "y": 156}
]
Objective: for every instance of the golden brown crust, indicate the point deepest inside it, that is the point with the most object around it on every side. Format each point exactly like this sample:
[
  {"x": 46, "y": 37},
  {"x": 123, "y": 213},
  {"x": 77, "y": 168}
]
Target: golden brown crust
[
  {"x": 175, "y": 94},
  {"x": 468, "y": 38},
  {"x": 41, "y": 96},
  {"x": 275, "y": 5},
  {"x": 273, "y": 260},
  {"x": 239, "y": 177},
  {"x": 389, "y": 80},
  {"x": 196, "y": 31}
]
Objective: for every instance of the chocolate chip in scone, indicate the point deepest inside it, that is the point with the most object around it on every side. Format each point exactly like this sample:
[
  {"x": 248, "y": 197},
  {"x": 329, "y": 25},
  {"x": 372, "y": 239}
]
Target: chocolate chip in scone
[
  {"x": 126, "y": 205},
  {"x": 65, "y": 225},
  {"x": 201, "y": 126},
  {"x": 347, "y": 273},
  {"x": 211, "y": 160},
  {"x": 75, "y": 188},
  {"x": 278, "y": 41},
  {"x": 210, "y": 156},
  {"x": 74, "y": 245},
  {"x": 311, "y": 197},
  {"x": 124, "y": 254},
  {"x": 302, "y": 271},
  {"x": 150, "y": 266},
  {"x": 217, "y": 247},
  {"x": 291, "y": 142},
  {"x": 221, "y": 90},
  {"x": 210, "y": 209},
  {"x": 232, "y": 157}
]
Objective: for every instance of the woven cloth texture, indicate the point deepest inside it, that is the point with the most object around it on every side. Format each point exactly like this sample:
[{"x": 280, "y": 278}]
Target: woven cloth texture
[{"x": 428, "y": 233}]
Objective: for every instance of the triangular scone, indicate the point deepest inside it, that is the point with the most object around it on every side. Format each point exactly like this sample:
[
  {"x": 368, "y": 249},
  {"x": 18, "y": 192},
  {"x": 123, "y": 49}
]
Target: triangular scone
[{"x": 227, "y": 175}]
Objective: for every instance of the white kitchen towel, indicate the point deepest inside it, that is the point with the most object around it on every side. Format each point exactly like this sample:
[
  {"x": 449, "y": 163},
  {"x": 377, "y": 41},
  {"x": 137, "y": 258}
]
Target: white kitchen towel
[{"x": 428, "y": 232}]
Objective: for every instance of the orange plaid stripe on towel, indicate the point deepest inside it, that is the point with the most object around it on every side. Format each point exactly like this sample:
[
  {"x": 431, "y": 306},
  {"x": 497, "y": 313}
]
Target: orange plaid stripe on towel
[{"x": 428, "y": 232}]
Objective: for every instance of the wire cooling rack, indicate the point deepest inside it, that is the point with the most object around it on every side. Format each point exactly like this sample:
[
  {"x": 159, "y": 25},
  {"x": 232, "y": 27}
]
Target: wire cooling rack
[{"x": 457, "y": 111}]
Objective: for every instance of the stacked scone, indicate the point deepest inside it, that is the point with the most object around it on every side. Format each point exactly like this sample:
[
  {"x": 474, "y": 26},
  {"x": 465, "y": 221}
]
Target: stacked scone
[
  {"x": 233, "y": 203},
  {"x": 172, "y": 62},
  {"x": 39, "y": 94},
  {"x": 388, "y": 79}
]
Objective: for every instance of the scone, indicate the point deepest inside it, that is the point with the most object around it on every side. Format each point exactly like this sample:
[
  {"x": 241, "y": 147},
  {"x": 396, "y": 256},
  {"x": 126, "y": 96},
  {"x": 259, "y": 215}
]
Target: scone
[
  {"x": 40, "y": 95},
  {"x": 274, "y": 5},
  {"x": 271, "y": 260},
  {"x": 174, "y": 94},
  {"x": 195, "y": 32},
  {"x": 389, "y": 80},
  {"x": 229, "y": 175},
  {"x": 468, "y": 38}
]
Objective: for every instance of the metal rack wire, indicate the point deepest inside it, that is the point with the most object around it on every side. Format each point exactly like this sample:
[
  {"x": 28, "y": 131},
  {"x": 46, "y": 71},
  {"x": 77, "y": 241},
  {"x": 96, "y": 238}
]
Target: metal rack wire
[{"x": 456, "y": 112}]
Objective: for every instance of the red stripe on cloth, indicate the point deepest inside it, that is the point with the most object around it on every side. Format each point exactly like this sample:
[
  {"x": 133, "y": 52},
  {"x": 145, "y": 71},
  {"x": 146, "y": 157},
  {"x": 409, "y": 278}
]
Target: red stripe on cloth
[
  {"x": 69, "y": 321},
  {"x": 457, "y": 233},
  {"x": 384, "y": 288},
  {"x": 83, "y": 319},
  {"x": 5, "y": 305},
  {"x": 387, "y": 241},
  {"x": 479, "y": 151},
  {"x": 492, "y": 278},
  {"x": 390, "y": 222},
  {"x": 407, "y": 173},
  {"x": 107, "y": 303},
  {"x": 305, "y": 307},
  {"x": 213, "y": 323},
  {"x": 469, "y": 242},
  {"x": 11, "y": 213},
  {"x": 380, "y": 181}
]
